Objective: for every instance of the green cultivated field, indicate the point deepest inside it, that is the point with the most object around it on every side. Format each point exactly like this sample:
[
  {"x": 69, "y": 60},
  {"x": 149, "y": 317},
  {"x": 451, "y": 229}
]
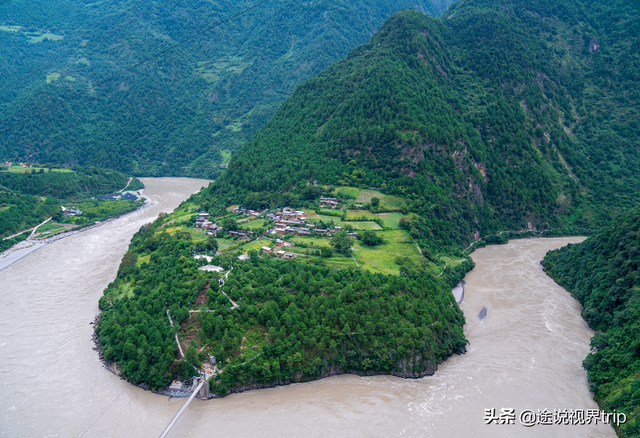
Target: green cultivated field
[
  {"x": 257, "y": 245},
  {"x": 256, "y": 223},
  {"x": 387, "y": 202},
  {"x": 346, "y": 192},
  {"x": 383, "y": 258}
]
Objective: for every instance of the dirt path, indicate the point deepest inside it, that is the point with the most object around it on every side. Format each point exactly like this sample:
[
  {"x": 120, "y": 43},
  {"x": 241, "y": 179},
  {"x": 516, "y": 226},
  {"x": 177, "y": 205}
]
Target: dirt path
[{"x": 33, "y": 230}]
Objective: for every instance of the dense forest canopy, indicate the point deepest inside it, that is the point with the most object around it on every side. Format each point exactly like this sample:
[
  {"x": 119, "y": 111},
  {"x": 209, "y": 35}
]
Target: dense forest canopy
[
  {"x": 603, "y": 273},
  {"x": 502, "y": 115},
  {"x": 180, "y": 114}
]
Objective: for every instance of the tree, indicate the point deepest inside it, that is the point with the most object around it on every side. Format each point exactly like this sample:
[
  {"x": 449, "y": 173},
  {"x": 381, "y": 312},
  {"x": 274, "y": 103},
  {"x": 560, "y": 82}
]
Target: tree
[
  {"x": 370, "y": 238},
  {"x": 311, "y": 192},
  {"x": 191, "y": 355},
  {"x": 375, "y": 201},
  {"x": 326, "y": 252},
  {"x": 211, "y": 244},
  {"x": 230, "y": 224},
  {"x": 342, "y": 242}
]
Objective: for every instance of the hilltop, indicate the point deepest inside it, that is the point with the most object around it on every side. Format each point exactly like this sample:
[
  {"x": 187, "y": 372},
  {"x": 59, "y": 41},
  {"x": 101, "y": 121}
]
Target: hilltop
[{"x": 492, "y": 118}]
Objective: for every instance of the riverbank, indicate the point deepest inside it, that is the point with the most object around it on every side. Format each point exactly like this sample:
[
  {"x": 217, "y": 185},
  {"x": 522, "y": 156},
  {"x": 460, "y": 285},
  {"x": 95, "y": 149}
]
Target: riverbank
[
  {"x": 26, "y": 247},
  {"x": 458, "y": 292}
]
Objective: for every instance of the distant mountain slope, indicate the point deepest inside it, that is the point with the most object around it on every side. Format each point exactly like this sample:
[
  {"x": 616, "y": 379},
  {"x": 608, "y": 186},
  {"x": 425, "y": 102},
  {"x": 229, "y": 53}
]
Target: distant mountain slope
[
  {"x": 502, "y": 115},
  {"x": 177, "y": 113},
  {"x": 603, "y": 274}
]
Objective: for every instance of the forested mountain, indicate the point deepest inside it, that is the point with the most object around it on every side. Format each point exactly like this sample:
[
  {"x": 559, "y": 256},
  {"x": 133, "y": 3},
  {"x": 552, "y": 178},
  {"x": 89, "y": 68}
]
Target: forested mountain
[
  {"x": 184, "y": 112},
  {"x": 501, "y": 115},
  {"x": 603, "y": 273}
]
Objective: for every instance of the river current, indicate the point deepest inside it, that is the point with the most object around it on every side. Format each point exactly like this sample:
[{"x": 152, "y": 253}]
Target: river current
[{"x": 526, "y": 353}]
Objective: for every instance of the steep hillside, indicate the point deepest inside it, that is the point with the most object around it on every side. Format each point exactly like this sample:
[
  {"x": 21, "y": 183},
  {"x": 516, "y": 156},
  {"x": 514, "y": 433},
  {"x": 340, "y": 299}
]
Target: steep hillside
[
  {"x": 183, "y": 113},
  {"x": 603, "y": 274},
  {"x": 502, "y": 115}
]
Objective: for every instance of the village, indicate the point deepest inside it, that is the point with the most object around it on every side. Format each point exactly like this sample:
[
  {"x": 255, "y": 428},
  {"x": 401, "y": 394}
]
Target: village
[{"x": 285, "y": 221}]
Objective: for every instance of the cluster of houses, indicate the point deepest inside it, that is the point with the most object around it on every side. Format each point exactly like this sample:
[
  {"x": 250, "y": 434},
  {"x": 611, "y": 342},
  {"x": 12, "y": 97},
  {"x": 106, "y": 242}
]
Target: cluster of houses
[
  {"x": 202, "y": 221},
  {"x": 9, "y": 164},
  {"x": 286, "y": 221},
  {"x": 71, "y": 212},
  {"x": 246, "y": 212},
  {"x": 328, "y": 202},
  {"x": 127, "y": 196},
  {"x": 282, "y": 254}
]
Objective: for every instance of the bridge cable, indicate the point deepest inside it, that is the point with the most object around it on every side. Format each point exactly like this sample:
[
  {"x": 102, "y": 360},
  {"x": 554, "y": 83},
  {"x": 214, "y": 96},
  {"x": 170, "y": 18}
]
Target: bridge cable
[
  {"x": 134, "y": 66},
  {"x": 82, "y": 47}
]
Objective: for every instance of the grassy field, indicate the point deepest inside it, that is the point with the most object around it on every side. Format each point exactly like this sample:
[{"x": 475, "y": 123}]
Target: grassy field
[
  {"x": 10, "y": 28},
  {"x": 143, "y": 259},
  {"x": 52, "y": 77},
  {"x": 366, "y": 225},
  {"x": 35, "y": 38},
  {"x": 382, "y": 258},
  {"x": 311, "y": 241},
  {"x": 332, "y": 213},
  {"x": 255, "y": 223},
  {"x": 224, "y": 244},
  {"x": 346, "y": 192},
  {"x": 340, "y": 262},
  {"x": 257, "y": 245},
  {"x": 226, "y": 156},
  {"x": 387, "y": 202},
  {"x": 390, "y": 220},
  {"x": 356, "y": 225},
  {"x": 451, "y": 262},
  {"x": 354, "y": 215},
  {"x": 50, "y": 226}
]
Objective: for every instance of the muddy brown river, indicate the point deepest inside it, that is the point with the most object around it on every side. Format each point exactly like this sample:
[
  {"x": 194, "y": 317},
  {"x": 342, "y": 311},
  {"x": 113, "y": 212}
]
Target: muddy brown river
[{"x": 526, "y": 353}]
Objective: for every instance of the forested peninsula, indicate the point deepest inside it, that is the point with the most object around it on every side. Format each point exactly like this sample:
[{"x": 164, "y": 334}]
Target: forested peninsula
[{"x": 603, "y": 273}]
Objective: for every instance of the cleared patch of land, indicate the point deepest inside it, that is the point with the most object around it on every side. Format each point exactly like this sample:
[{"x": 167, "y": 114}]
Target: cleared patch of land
[
  {"x": 385, "y": 258},
  {"x": 37, "y": 38},
  {"x": 387, "y": 202},
  {"x": 52, "y": 77},
  {"x": 10, "y": 28},
  {"x": 346, "y": 192}
]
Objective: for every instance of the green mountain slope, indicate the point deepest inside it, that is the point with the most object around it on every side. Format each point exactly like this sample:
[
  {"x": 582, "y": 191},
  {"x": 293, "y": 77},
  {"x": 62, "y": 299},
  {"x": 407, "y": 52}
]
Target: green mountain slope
[
  {"x": 603, "y": 274},
  {"x": 502, "y": 115},
  {"x": 184, "y": 112}
]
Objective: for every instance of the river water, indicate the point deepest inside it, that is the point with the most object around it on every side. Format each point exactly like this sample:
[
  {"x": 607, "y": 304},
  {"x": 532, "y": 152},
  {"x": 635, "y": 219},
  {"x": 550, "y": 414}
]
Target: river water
[{"x": 525, "y": 354}]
